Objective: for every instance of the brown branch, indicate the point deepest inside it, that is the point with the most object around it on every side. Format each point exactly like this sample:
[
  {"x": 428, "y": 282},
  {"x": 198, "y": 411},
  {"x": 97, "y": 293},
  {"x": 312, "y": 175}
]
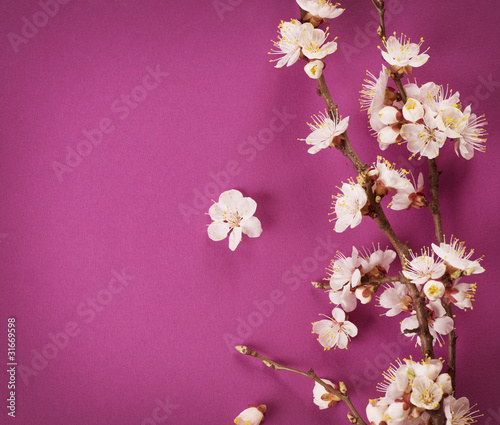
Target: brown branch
[
  {"x": 372, "y": 282},
  {"x": 309, "y": 374},
  {"x": 452, "y": 349},
  {"x": 379, "y": 5},
  {"x": 383, "y": 224},
  {"x": 434, "y": 206},
  {"x": 438, "y": 228}
]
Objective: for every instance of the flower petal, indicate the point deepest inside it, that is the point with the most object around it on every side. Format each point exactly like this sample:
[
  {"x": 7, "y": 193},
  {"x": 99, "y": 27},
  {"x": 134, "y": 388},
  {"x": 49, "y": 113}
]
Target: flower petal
[
  {"x": 230, "y": 198},
  {"x": 251, "y": 227},
  {"x": 246, "y": 207},
  {"x": 218, "y": 230},
  {"x": 235, "y": 238}
]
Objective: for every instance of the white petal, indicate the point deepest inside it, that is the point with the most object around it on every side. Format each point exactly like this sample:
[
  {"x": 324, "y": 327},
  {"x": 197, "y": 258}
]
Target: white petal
[
  {"x": 235, "y": 238},
  {"x": 246, "y": 207},
  {"x": 251, "y": 227},
  {"x": 230, "y": 198},
  {"x": 218, "y": 230},
  {"x": 216, "y": 212},
  {"x": 338, "y": 314},
  {"x": 413, "y": 110}
]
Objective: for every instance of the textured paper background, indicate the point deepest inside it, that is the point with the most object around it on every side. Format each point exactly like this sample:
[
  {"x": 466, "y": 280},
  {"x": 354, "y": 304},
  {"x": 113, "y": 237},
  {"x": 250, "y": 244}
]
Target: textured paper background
[{"x": 136, "y": 205}]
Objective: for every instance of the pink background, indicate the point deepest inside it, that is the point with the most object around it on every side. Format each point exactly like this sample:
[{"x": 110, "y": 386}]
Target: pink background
[{"x": 137, "y": 203}]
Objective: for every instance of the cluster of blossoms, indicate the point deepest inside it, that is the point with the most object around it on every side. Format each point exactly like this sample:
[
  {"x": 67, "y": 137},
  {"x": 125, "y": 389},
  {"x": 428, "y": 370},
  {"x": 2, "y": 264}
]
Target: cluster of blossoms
[
  {"x": 429, "y": 117},
  {"x": 440, "y": 280},
  {"x": 351, "y": 279},
  {"x": 304, "y": 40},
  {"x": 352, "y": 204},
  {"x": 410, "y": 389},
  {"x": 424, "y": 117}
]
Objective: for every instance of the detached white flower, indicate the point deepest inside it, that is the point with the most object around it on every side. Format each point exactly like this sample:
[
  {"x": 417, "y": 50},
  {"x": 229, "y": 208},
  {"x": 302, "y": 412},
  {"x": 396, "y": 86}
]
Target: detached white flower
[
  {"x": 423, "y": 268},
  {"x": 323, "y": 9},
  {"x": 335, "y": 332},
  {"x": 314, "y": 69},
  {"x": 312, "y": 40},
  {"x": 233, "y": 213},
  {"x": 348, "y": 206},
  {"x": 426, "y": 393},
  {"x": 251, "y": 416},
  {"x": 288, "y": 43},
  {"x": 401, "y": 54},
  {"x": 322, "y": 398},
  {"x": 325, "y": 131}
]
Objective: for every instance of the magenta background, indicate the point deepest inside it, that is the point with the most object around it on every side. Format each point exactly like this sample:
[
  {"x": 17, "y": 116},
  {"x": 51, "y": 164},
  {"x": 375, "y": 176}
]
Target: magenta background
[{"x": 162, "y": 337}]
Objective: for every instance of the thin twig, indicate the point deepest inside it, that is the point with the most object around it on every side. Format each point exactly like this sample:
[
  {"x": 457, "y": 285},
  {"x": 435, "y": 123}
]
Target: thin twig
[
  {"x": 309, "y": 374},
  {"x": 438, "y": 228}
]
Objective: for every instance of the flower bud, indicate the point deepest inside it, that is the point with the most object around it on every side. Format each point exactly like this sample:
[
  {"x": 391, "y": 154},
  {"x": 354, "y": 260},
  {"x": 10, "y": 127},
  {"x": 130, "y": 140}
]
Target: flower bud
[
  {"x": 398, "y": 411},
  {"x": 314, "y": 69},
  {"x": 389, "y": 115},
  {"x": 322, "y": 398},
  {"x": 251, "y": 416},
  {"x": 375, "y": 413},
  {"x": 444, "y": 381},
  {"x": 434, "y": 289},
  {"x": 242, "y": 349},
  {"x": 364, "y": 294},
  {"x": 372, "y": 173},
  {"x": 343, "y": 388}
]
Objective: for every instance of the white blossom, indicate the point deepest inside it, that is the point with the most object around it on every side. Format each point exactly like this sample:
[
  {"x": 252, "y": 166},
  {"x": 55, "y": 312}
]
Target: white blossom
[
  {"x": 312, "y": 40},
  {"x": 322, "y": 398},
  {"x": 251, "y": 416},
  {"x": 324, "y": 131},
  {"x": 402, "y": 53},
  {"x": 439, "y": 323},
  {"x": 461, "y": 294},
  {"x": 423, "y": 268},
  {"x": 454, "y": 254},
  {"x": 314, "y": 69},
  {"x": 348, "y": 206},
  {"x": 426, "y": 393},
  {"x": 233, "y": 213},
  {"x": 472, "y": 136},
  {"x": 323, "y": 9},
  {"x": 409, "y": 196},
  {"x": 335, "y": 332},
  {"x": 425, "y": 139},
  {"x": 288, "y": 43},
  {"x": 395, "y": 298},
  {"x": 434, "y": 289},
  {"x": 458, "y": 411}
]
